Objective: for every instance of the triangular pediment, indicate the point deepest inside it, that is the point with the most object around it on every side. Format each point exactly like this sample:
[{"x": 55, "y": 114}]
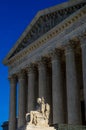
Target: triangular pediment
[{"x": 44, "y": 21}]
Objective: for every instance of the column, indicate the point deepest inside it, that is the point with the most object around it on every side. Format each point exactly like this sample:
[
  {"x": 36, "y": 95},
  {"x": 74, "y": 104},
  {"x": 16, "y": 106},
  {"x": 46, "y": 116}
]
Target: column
[
  {"x": 31, "y": 87},
  {"x": 73, "y": 90},
  {"x": 12, "y": 116},
  {"x": 49, "y": 90},
  {"x": 22, "y": 99},
  {"x": 42, "y": 79},
  {"x": 57, "y": 89},
  {"x": 49, "y": 83},
  {"x": 83, "y": 47}
]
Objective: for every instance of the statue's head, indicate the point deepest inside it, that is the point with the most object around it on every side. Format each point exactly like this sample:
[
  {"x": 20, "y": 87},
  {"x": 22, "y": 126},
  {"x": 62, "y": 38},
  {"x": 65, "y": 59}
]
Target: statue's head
[{"x": 39, "y": 100}]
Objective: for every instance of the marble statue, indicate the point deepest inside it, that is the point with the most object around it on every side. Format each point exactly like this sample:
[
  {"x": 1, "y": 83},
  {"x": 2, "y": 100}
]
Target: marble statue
[{"x": 40, "y": 117}]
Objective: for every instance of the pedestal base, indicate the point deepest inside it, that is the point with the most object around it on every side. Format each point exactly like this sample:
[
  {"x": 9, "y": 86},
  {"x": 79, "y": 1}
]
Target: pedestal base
[{"x": 28, "y": 127}]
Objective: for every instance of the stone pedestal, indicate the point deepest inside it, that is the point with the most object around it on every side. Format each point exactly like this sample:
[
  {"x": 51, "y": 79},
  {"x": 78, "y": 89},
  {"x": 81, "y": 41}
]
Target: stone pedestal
[{"x": 28, "y": 127}]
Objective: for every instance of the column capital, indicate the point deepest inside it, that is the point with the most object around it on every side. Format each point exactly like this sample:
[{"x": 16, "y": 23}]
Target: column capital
[
  {"x": 42, "y": 61},
  {"x": 21, "y": 74},
  {"x": 83, "y": 40},
  {"x": 12, "y": 78},
  {"x": 31, "y": 68},
  {"x": 55, "y": 53},
  {"x": 71, "y": 46}
]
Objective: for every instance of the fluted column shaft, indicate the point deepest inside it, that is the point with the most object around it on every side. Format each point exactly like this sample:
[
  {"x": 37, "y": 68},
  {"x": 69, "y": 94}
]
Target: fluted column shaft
[
  {"x": 49, "y": 90},
  {"x": 21, "y": 100},
  {"x": 31, "y": 87},
  {"x": 83, "y": 47},
  {"x": 73, "y": 90},
  {"x": 12, "y": 116},
  {"x": 57, "y": 90},
  {"x": 42, "y": 79}
]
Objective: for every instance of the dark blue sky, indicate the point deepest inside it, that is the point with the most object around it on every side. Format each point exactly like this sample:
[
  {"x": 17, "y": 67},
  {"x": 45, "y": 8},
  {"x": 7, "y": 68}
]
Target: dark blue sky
[{"x": 15, "y": 15}]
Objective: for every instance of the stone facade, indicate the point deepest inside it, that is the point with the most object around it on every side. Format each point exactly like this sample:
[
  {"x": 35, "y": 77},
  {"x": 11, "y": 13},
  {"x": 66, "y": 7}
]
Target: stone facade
[{"x": 49, "y": 61}]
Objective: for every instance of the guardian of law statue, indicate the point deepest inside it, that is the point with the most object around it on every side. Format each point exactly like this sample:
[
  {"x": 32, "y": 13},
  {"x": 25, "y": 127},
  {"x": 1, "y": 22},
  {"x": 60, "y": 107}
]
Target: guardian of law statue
[{"x": 39, "y": 119}]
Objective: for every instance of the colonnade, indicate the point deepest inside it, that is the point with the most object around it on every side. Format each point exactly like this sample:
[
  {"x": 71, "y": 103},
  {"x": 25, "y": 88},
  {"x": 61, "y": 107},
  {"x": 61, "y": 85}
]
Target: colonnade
[{"x": 54, "y": 94}]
